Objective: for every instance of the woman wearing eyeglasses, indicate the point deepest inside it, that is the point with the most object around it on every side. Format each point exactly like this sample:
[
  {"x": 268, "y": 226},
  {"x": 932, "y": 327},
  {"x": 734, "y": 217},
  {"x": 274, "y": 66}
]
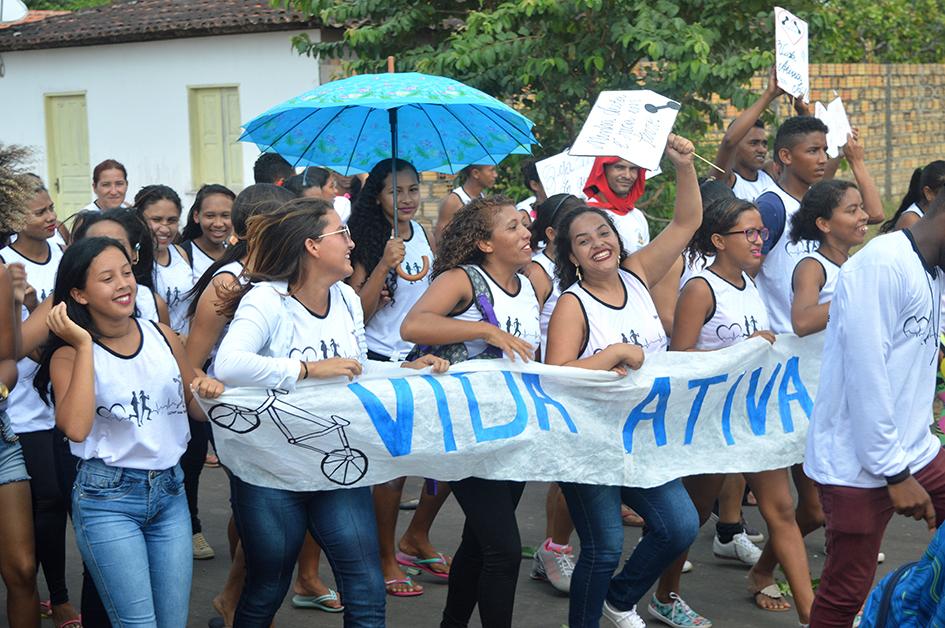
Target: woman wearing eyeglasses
[
  {"x": 298, "y": 320},
  {"x": 719, "y": 307}
]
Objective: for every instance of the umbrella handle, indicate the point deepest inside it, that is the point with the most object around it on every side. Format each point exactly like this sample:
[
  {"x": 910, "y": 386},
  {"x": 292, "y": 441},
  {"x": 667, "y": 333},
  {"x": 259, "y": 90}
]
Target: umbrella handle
[{"x": 418, "y": 276}]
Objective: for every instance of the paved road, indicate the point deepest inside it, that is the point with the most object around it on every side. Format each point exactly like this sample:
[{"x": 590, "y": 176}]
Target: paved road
[{"x": 716, "y": 588}]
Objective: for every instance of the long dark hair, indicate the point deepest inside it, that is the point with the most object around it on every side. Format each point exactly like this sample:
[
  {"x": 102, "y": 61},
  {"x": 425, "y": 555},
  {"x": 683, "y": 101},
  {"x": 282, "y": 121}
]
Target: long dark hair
[
  {"x": 565, "y": 270},
  {"x": 932, "y": 177},
  {"x": 276, "y": 244},
  {"x": 192, "y": 229},
  {"x": 73, "y": 273},
  {"x": 311, "y": 177},
  {"x": 819, "y": 202},
  {"x": 370, "y": 228},
  {"x": 150, "y": 194},
  {"x": 260, "y": 198},
  {"x": 138, "y": 234},
  {"x": 718, "y": 217},
  {"x": 549, "y": 213},
  {"x": 472, "y": 224}
]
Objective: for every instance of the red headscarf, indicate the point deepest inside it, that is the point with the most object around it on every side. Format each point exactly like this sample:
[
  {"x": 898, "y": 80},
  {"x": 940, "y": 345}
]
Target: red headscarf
[{"x": 600, "y": 195}]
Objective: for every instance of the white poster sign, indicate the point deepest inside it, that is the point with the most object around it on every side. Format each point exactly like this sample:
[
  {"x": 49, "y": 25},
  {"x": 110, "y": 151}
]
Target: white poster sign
[
  {"x": 632, "y": 125},
  {"x": 744, "y": 408},
  {"x": 564, "y": 174},
  {"x": 791, "y": 54},
  {"x": 838, "y": 124}
]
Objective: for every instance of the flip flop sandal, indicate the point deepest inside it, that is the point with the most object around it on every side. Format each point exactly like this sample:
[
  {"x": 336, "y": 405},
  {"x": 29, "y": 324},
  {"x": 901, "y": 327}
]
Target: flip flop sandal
[
  {"x": 318, "y": 602},
  {"x": 771, "y": 591},
  {"x": 423, "y": 564},
  {"x": 45, "y": 609},
  {"x": 390, "y": 584}
]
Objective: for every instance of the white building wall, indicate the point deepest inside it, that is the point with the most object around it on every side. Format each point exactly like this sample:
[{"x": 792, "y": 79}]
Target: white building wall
[{"x": 136, "y": 97}]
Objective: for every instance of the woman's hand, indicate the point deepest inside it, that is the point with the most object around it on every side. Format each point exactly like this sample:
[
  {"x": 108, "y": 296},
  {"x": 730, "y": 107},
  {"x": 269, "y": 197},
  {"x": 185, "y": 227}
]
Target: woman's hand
[
  {"x": 206, "y": 387},
  {"x": 509, "y": 344},
  {"x": 439, "y": 365},
  {"x": 854, "y": 150},
  {"x": 60, "y": 324},
  {"x": 334, "y": 367},
  {"x": 629, "y": 357},
  {"x": 394, "y": 252},
  {"x": 679, "y": 150},
  {"x": 764, "y": 333},
  {"x": 23, "y": 292}
]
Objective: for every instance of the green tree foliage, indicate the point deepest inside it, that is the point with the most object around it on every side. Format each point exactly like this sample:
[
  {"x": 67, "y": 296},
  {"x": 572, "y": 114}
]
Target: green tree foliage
[{"x": 63, "y": 5}]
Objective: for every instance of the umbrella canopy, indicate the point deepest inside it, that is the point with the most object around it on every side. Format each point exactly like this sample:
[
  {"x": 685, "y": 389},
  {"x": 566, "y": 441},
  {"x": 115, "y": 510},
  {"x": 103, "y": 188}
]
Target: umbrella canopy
[{"x": 441, "y": 125}]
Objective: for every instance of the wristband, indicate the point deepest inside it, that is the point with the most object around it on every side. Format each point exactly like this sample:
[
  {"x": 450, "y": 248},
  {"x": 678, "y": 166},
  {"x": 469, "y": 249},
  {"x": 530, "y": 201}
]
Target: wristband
[
  {"x": 305, "y": 368},
  {"x": 899, "y": 478}
]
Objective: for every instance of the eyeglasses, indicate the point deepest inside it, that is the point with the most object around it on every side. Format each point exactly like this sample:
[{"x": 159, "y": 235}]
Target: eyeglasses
[
  {"x": 752, "y": 233},
  {"x": 344, "y": 230}
]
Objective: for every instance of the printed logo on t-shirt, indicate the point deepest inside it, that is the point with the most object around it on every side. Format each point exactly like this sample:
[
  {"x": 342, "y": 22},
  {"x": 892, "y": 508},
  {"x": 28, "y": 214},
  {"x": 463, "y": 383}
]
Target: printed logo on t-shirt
[
  {"x": 325, "y": 350},
  {"x": 513, "y": 327},
  {"x": 729, "y": 333},
  {"x": 138, "y": 409},
  {"x": 172, "y": 298},
  {"x": 803, "y": 247}
]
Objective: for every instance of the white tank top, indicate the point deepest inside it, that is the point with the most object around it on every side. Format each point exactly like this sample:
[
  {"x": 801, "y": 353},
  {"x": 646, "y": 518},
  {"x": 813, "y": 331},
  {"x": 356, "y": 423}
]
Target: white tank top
[
  {"x": 462, "y": 194},
  {"x": 146, "y": 304},
  {"x": 777, "y": 270},
  {"x": 633, "y": 229},
  {"x": 140, "y": 418},
  {"x": 173, "y": 282},
  {"x": 200, "y": 262},
  {"x": 517, "y": 313},
  {"x": 635, "y": 322},
  {"x": 383, "y": 330},
  {"x": 750, "y": 190},
  {"x": 26, "y": 410},
  {"x": 236, "y": 269},
  {"x": 831, "y": 272},
  {"x": 321, "y": 337},
  {"x": 547, "y": 265},
  {"x": 739, "y": 312},
  {"x": 914, "y": 209}
]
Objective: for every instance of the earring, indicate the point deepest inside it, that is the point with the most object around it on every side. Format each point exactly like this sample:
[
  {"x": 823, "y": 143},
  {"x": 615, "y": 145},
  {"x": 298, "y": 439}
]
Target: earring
[{"x": 579, "y": 276}]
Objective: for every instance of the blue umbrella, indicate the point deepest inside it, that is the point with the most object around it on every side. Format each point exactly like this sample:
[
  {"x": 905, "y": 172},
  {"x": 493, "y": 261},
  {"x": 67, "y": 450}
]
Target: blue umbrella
[{"x": 436, "y": 123}]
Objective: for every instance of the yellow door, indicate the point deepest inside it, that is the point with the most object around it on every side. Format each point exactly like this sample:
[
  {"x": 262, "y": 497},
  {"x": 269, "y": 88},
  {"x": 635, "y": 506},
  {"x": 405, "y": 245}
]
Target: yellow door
[
  {"x": 67, "y": 148},
  {"x": 216, "y": 156}
]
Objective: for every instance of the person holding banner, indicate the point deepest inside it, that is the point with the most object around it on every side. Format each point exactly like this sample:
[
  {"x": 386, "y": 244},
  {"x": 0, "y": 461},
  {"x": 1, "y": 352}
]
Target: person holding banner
[
  {"x": 296, "y": 304},
  {"x": 923, "y": 186},
  {"x": 122, "y": 388},
  {"x": 869, "y": 447},
  {"x": 719, "y": 307},
  {"x": 488, "y": 237},
  {"x": 607, "y": 301},
  {"x": 386, "y": 297}
]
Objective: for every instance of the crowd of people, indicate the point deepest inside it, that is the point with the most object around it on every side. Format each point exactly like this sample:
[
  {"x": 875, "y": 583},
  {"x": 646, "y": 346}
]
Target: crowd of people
[{"x": 113, "y": 320}]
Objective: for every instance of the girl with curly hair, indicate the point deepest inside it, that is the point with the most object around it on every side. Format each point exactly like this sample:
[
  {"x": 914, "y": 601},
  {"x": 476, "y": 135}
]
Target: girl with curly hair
[
  {"x": 605, "y": 319},
  {"x": 386, "y": 297},
  {"x": 487, "y": 236}
]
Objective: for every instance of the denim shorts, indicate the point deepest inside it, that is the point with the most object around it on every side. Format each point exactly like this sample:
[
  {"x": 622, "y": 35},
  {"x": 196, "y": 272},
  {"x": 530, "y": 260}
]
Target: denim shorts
[{"x": 12, "y": 464}]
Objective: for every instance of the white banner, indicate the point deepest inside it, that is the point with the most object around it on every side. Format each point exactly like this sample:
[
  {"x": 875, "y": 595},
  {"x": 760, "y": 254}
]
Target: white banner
[
  {"x": 790, "y": 40},
  {"x": 744, "y": 408},
  {"x": 632, "y": 125}
]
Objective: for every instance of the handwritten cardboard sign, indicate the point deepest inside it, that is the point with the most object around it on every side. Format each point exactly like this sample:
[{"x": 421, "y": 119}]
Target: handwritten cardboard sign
[
  {"x": 632, "y": 125},
  {"x": 564, "y": 174},
  {"x": 790, "y": 38},
  {"x": 838, "y": 125}
]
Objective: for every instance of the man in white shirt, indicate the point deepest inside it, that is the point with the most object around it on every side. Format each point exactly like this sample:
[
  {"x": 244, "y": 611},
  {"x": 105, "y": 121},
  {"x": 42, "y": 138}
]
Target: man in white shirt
[{"x": 869, "y": 447}]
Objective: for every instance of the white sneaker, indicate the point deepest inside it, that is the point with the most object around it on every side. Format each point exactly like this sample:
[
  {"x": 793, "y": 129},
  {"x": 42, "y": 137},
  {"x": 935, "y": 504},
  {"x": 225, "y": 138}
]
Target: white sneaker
[
  {"x": 554, "y": 567},
  {"x": 202, "y": 549},
  {"x": 623, "y": 619},
  {"x": 740, "y": 548}
]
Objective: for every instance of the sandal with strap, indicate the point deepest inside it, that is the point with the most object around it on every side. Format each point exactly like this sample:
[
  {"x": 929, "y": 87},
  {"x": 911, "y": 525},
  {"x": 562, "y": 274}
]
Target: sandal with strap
[
  {"x": 318, "y": 602},
  {"x": 772, "y": 592},
  {"x": 390, "y": 584},
  {"x": 424, "y": 564}
]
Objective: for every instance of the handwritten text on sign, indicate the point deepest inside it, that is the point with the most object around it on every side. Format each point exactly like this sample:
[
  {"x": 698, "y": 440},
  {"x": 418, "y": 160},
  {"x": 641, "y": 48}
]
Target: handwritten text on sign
[
  {"x": 741, "y": 409},
  {"x": 791, "y": 54},
  {"x": 632, "y": 125}
]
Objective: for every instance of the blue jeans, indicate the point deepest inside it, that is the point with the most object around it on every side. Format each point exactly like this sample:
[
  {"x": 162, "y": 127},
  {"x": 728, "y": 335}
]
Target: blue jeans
[
  {"x": 272, "y": 525},
  {"x": 133, "y": 531},
  {"x": 672, "y": 524}
]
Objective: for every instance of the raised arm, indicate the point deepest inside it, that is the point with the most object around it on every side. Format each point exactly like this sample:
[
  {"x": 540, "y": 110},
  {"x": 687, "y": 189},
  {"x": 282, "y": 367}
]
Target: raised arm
[
  {"x": 855, "y": 153},
  {"x": 740, "y": 127},
  {"x": 654, "y": 260}
]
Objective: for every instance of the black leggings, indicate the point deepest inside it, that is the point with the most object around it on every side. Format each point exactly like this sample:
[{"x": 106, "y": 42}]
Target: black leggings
[
  {"x": 94, "y": 614},
  {"x": 192, "y": 464},
  {"x": 485, "y": 567},
  {"x": 49, "y": 511}
]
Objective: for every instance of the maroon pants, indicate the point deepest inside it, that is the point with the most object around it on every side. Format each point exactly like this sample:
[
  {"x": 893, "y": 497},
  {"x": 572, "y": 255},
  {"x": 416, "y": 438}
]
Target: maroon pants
[{"x": 856, "y": 520}]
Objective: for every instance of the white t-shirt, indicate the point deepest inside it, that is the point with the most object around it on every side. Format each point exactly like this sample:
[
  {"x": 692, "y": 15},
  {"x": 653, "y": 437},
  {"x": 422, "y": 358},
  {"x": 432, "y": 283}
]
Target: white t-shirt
[
  {"x": 547, "y": 265},
  {"x": 272, "y": 333},
  {"x": 877, "y": 379},
  {"x": 517, "y": 312},
  {"x": 342, "y": 206},
  {"x": 831, "y": 272},
  {"x": 27, "y": 411},
  {"x": 635, "y": 322},
  {"x": 748, "y": 190},
  {"x": 633, "y": 229},
  {"x": 738, "y": 313},
  {"x": 140, "y": 417},
  {"x": 383, "y": 330},
  {"x": 146, "y": 304},
  {"x": 172, "y": 283},
  {"x": 777, "y": 270}
]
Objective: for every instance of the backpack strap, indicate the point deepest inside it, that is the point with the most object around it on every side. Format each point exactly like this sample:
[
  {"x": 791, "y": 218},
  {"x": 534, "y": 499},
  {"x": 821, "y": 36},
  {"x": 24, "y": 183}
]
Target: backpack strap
[
  {"x": 482, "y": 295},
  {"x": 882, "y": 615}
]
